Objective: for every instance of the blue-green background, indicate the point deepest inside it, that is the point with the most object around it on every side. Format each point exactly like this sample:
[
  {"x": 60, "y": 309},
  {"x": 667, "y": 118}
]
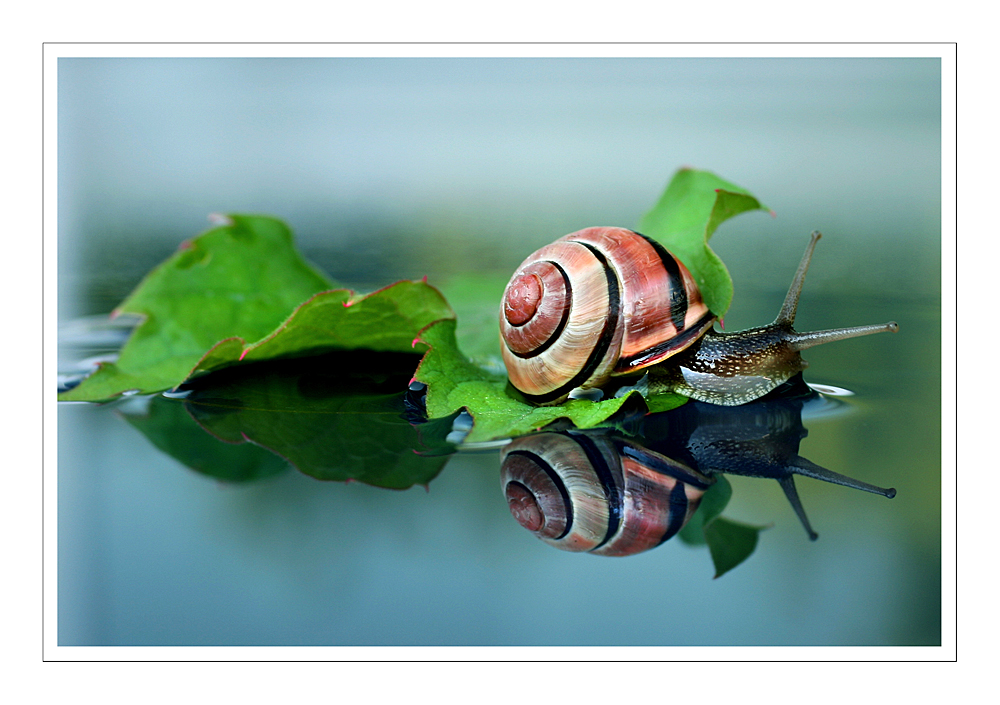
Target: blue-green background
[{"x": 393, "y": 168}]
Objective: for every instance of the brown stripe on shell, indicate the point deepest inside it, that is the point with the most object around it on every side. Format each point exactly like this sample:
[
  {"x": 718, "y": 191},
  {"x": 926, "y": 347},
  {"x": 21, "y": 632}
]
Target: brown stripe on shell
[
  {"x": 661, "y": 303},
  {"x": 679, "y": 298}
]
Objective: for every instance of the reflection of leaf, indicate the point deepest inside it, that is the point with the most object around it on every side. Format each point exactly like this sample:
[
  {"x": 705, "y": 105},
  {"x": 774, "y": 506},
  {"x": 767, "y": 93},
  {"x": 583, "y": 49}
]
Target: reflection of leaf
[
  {"x": 338, "y": 416},
  {"x": 167, "y": 424},
  {"x": 453, "y": 383},
  {"x": 729, "y": 542},
  {"x": 687, "y": 214},
  {"x": 239, "y": 283}
]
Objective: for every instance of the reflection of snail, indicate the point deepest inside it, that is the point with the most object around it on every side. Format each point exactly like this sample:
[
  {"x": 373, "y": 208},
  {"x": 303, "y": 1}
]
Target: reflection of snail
[
  {"x": 593, "y": 492},
  {"x": 756, "y": 440},
  {"x": 597, "y": 491},
  {"x": 606, "y": 302}
]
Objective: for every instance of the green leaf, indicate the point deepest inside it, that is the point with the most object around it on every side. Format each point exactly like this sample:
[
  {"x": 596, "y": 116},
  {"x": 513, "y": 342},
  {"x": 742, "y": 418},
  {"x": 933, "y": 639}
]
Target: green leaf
[
  {"x": 693, "y": 206},
  {"x": 388, "y": 320},
  {"x": 236, "y": 280},
  {"x": 453, "y": 383},
  {"x": 226, "y": 297},
  {"x": 729, "y": 542}
]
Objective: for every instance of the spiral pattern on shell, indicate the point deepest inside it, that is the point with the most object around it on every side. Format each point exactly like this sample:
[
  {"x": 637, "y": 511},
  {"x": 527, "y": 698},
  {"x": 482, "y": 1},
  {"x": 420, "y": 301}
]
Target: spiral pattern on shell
[
  {"x": 599, "y": 302},
  {"x": 597, "y": 493}
]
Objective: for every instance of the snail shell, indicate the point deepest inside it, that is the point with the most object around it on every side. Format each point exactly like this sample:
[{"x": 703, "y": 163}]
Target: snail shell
[
  {"x": 599, "y": 302},
  {"x": 596, "y": 493}
]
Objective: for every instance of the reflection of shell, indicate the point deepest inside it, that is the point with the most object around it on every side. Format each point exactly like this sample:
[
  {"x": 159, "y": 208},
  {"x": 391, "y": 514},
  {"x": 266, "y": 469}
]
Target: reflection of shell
[{"x": 594, "y": 493}]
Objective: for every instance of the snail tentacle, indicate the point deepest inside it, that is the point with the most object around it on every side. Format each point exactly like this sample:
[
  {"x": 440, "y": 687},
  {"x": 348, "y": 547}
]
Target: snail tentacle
[
  {"x": 786, "y": 316},
  {"x": 804, "y": 341}
]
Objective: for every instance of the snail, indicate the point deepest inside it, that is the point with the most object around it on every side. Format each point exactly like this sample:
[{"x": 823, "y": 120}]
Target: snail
[
  {"x": 598, "y": 493},
  {"x": 605, "y": 303}
]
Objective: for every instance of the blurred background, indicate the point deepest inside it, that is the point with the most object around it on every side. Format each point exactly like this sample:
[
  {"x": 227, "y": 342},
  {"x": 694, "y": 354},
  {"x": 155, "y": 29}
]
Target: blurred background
[
  {"x": 438, "y": 166},
  {"x": 459, "y": 168}
]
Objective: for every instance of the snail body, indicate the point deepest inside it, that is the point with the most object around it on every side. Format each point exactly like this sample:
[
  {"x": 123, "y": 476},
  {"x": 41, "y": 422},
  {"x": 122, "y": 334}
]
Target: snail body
[{"x": 609, "y": 304}]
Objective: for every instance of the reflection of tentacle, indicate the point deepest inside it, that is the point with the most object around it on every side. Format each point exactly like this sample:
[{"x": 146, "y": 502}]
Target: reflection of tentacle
[
  {"x": 800, "y": 466},
  {"x": 788, "y": 485},
  {"x": 756, "y": 440},
  {"x": 808, "y": 468}
]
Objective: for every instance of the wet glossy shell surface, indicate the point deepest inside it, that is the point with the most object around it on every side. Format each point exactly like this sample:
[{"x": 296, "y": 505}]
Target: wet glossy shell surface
[{"x": 595, "y": 303}]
